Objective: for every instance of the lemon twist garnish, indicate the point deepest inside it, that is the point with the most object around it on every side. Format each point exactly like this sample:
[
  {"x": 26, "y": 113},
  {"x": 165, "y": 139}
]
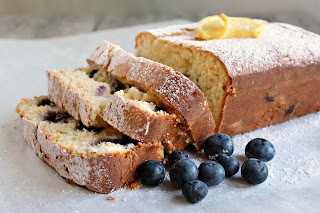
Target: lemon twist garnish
[{"x": 224, "y": 27}]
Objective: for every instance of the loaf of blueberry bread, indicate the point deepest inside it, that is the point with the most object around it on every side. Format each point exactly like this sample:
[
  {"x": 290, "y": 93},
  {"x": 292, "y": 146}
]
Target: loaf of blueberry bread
[
  {"x": 141, "y": 98},
  {"x": 101, "y": 159},
  {"x": 248, "y": 82}
]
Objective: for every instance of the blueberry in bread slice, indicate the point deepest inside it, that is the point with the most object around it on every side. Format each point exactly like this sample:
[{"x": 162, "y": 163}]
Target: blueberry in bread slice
[{"x": 101, "y": 159}]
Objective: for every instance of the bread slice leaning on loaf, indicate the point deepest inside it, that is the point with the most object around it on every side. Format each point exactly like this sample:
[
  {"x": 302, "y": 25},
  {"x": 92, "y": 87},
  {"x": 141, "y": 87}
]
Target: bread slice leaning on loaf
[
  {"x": 141, "y": 98},
  {"x": 174, "y": 92},
  {"x": 248, "y": 82},
  {"x": 101, "y": 159},
  {"x": 130, "y": 111}
]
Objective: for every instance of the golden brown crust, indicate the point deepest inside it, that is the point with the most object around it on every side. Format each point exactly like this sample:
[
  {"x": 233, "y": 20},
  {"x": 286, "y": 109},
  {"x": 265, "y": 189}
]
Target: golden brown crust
[
  {"x": 178, "y": 94},
  {"x": 136, "y": 122},
  {"x": 143, "y": 125},
  {"x": 67, "y": 98},
  {"x": 100, "y": 58},
  {"x": 101, "y": 173},
  {"x": 272, "y": 79},
  {"x": 291, "y": 94},
  {"x": 28, "y": 127}
]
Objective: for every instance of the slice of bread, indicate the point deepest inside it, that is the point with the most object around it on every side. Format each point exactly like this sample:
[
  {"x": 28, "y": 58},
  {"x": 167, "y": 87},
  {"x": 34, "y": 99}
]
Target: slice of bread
[
  {"x": 128, "y": 111},
  {"x": 175, "y": 93},
  {"x": 248, "y": 82},
  {"x": 101, "y": 159},
  {"x": 131, "y": 111}
]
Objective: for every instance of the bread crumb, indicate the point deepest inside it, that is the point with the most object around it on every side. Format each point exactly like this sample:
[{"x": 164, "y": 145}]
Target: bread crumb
[
  {"x": 70, "y": 181},
  {"x": 14, "y": 127},
  {"x": 134, "y": 185},
  {"x": 111, "y": 198}
]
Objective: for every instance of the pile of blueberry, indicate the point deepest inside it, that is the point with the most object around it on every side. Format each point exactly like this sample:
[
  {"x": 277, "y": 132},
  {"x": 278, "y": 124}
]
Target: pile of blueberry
[{"x": 194, "y": 181}]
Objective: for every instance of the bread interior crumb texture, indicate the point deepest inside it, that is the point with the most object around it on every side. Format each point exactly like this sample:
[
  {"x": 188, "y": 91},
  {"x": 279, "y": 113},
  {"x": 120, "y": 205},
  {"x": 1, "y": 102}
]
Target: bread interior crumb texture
[{"x": 205, "y": 71}]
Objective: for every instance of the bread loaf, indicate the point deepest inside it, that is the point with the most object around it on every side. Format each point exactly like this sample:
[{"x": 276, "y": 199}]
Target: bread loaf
[{"x": 248, "y": 82}]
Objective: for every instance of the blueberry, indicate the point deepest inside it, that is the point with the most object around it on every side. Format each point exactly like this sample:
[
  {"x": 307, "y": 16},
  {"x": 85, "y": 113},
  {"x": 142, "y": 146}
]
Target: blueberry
[
  {"x": 101, "y": 90},
  {"x": 151, "y": 172},
  {"x": 45, "y": 102},
  {"x": 261, "y": 149},
  {"x": 230, "y": 164},
  {"x": 211, "y": 173},
  {"x": 117, "y": 85},
  {"x": 56, "y": 116},
  {"x": 182, "y": 171},
  {"x": 81, "y": 127},
  {"x": 218, "y": 144},
  {"x": 195, "y": 190},
  {"x": 175, "y": 156},
  {"x": 124, "y": 140},
  {"x": 254, "y": 171},
  {"x": 191, "y": 148},
  {"x": 91, "y": 74}
]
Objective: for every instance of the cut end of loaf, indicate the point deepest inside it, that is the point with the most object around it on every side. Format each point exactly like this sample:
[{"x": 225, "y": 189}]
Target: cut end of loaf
[{"x": 207, "y": 72}]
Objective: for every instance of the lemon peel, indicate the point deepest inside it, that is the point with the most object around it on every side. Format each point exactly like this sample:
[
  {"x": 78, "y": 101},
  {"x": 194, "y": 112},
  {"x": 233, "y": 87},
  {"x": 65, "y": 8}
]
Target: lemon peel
[{"x": 224, "y": 27}]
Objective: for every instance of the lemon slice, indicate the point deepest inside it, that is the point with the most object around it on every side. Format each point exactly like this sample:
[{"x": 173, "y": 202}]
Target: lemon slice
[
  {"x": 224, "y": 27},
  {"x": 211, "y": 27}
]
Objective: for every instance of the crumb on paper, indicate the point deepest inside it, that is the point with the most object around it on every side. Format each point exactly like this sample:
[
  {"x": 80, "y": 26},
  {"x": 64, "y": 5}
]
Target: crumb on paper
[
  {"x": 14, "y": 127},
  {"x": 134, "y": 185},
  {"x": 111, "y": 198},
  {"x": 70, "y": 182},
  {"x": 124, "y": 199}
]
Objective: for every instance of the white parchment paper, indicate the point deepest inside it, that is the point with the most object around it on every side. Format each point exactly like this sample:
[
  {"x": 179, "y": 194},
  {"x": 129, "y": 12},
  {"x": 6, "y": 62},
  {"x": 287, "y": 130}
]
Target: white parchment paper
[{"x": 29, "y": 185}]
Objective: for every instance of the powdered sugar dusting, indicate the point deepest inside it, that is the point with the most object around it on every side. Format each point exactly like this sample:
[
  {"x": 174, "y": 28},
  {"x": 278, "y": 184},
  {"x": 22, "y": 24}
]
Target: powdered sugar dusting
[
  {"x": 59, "y": 145},
  {"x": 170, "y": 85},
  {"x": 172, "y": 88},
  {"x": 78, "y": 168},
  {"x": 282, "y": 45},
  {"x": 176, "y": 89},
  {"x": 116, "y": 113},
  {"x": 173, "y": 30},
  {"x": 295, "y": 141}
]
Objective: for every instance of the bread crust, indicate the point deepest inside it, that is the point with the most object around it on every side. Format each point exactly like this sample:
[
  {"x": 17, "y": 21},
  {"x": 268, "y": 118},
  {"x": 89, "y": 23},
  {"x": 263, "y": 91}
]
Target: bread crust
[
  {"x": 101, "y": 173},
  {"x": 29, "y": 127},
  {"x": 137, "y": 122},
  {"x": 143, "y": 125},
  {"x": 271, "y": 79},
  {"x": 177, "y": 93},
  {"x": 68, "y": 99},
  {"x": 100, "y": 58}
]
